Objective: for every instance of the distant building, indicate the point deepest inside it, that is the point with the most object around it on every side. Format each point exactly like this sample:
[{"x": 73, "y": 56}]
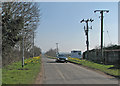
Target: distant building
[{"x": 76, "y": 54}]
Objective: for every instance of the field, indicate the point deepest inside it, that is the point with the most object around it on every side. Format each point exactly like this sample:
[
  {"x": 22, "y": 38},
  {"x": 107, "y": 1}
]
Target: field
[{"x": 15, "y": 74}]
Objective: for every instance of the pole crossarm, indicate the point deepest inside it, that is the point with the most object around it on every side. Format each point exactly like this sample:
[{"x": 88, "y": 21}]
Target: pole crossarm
[
  {"x": 86, "y": 21},
  {"x": 101, "y": 11},
  {"x": 91, "y": 20}
]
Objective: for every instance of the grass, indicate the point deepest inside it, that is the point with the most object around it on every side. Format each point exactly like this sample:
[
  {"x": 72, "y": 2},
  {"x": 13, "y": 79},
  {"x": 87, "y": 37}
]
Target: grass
[
  {"x": 104, "y": 68},
  {"x": 15, "y": 74},
  {"x": 0, "y": 76}
]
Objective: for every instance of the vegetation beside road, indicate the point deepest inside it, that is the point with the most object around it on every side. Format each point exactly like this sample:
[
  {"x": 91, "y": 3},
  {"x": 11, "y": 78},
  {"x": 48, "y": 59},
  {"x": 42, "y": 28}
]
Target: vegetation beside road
[
  {"x": 109, "y": 69},
  {"x": 15, "y": 74},
  {"x": 15, "y": 27}
]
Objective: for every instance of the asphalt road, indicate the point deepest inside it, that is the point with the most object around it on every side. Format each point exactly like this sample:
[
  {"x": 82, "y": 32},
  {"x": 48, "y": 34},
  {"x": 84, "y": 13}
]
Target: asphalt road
[{"x": 68, "y": 73}]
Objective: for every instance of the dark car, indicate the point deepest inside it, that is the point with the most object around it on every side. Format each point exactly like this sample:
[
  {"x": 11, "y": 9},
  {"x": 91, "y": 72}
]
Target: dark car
[{"x": 61, "y": 58}]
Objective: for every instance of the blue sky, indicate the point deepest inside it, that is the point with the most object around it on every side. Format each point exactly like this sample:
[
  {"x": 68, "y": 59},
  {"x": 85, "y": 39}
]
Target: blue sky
[{"x": 60, "y": 23}]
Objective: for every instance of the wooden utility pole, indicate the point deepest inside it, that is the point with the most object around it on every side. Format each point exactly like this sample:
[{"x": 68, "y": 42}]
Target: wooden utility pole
[
  {"x": 86, "y": 32},
  {"x": 33, "y": 43},
  {"x": 57, "y": 52},
  {"x": 23, "y": 49},
  {"x": 23, "y": 34},
  {"x": 101, "y": 12}
]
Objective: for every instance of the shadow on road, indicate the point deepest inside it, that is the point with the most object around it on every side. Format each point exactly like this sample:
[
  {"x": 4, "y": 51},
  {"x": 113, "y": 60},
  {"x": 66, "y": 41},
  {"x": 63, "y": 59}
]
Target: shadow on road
[{"x": 53, "y": 62}]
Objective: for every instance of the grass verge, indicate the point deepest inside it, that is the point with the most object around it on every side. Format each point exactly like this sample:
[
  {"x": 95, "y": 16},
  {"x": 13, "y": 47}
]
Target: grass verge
[
  {"x": 109, "y": 69},
  {"x": 15, "y": 74}
]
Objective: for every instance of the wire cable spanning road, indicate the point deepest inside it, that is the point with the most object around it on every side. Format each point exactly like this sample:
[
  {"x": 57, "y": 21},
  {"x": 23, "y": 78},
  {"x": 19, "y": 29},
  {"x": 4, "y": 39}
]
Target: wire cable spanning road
[{"x": 68, "y": 73}]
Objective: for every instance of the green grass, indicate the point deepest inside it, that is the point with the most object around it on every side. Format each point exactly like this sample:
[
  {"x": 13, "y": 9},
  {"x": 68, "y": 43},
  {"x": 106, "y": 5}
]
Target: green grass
[
  {"x": 15, "y": 74},
  {"x": 101, "y": 67},
  {"x": 0, "y": 76}
]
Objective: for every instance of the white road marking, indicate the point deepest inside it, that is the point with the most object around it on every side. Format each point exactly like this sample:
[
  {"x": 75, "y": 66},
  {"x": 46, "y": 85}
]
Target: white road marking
[{"x": 60, "y": 73}]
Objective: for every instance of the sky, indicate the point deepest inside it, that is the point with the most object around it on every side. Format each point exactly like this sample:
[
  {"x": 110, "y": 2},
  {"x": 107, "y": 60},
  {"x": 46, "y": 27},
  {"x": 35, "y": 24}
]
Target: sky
[{"x": 60, "y": 23}]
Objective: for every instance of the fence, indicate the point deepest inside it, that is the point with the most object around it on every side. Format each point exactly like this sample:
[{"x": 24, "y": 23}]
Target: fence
[{"x": 109, "y": 56}]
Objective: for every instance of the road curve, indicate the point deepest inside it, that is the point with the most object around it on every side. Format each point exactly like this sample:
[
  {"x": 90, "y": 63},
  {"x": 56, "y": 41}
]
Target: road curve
[{"x": 68, "y": 73}]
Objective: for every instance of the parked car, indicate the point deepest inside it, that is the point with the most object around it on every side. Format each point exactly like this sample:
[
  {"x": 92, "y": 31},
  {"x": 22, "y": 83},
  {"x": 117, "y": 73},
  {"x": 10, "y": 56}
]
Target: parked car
[{"x": 61, "y": 58}]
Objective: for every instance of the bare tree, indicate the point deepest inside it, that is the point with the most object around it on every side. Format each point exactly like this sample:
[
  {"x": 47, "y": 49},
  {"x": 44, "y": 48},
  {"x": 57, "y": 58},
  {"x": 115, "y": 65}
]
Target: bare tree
[{"x": 16, "y": 18}]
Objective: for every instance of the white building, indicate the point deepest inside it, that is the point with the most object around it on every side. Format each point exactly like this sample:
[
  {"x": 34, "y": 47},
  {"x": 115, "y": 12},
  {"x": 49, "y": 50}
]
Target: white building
[{"x": 76, "y": 54}]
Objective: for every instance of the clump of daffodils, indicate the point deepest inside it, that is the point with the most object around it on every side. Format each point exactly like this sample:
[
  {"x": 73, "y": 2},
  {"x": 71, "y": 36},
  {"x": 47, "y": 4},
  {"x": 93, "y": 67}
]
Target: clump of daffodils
[
  {"x": 38, "y": 57},
  {"x": 75, "y": 59},
  {"x": 34, "y": 60}
]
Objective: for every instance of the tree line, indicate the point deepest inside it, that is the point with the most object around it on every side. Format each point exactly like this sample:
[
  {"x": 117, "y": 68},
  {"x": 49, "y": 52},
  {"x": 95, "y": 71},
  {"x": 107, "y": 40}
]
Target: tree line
[
  {"x": 19, "y": 19},
  {"x": 51, "y": 52}
]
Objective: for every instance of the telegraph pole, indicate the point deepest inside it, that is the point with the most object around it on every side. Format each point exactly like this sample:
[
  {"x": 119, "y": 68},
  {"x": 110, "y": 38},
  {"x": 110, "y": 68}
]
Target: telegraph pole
[
  {"x": 23, "y": 48},
  {"x": 57, "y": 52},
  {"x": 33, "y": 43},
  {"x": 101, "y": 12},
  {"x": 86, "y": 32}
]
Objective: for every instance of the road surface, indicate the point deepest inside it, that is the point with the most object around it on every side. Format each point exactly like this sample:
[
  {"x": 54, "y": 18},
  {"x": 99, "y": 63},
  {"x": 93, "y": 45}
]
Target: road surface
[{"x": 68, "y": 73}]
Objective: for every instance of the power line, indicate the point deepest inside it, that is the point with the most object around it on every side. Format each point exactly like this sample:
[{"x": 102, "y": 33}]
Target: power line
[{"x": 108, "y": 34}]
